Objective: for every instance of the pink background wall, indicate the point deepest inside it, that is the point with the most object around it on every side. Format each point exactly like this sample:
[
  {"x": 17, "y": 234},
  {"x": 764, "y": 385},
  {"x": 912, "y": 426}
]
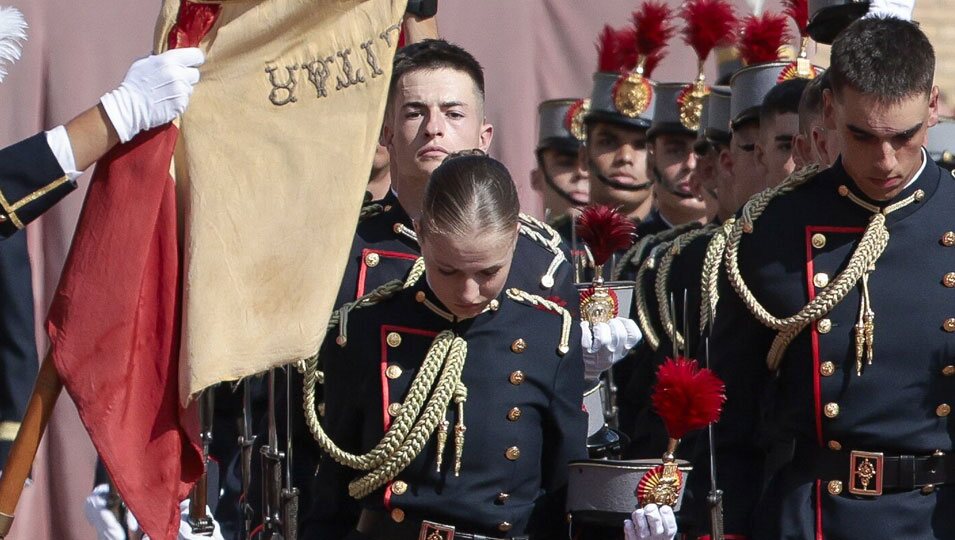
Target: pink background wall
[{"x": 531, "y": 49}]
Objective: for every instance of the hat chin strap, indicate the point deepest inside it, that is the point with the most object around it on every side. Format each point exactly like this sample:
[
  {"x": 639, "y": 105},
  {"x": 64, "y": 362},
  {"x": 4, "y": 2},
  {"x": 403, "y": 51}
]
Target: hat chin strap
[
  {"x": 559, "y": 191},
  {"x": 613, "y": 183},
  {"x": 667, "y": 185}
]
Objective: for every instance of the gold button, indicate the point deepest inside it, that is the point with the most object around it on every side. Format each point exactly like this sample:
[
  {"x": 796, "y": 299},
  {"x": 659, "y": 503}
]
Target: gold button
[
  {"x": 949, "y": 325},
  {"x": 398, "y": 515},
  {"x": 517, "y": 377},
  {"x": 399, "y": 487},
  {"x": 948, "y": 371},
  {"x": 843, "y": 190},
  {"x": 547, "y": 282},
  {"x": 394, "y": 409},
  {"x": 818, "y": 241},
  {"x": 493, "y": 305},
  {"x": 824, "y": 326},
  {"x": 387, "y": 208},
  {"x": 420, "y": 296},
  {"x": 397, "y": 228},
  {"x": 826, "y": 369},
  {"x": 513, "y": 453},
  {"x": 504, "y": 526},
  {"x": 393, "y": 371},
  {"x": 321, "y": 409},
  {"x": 503, "y": 497},
  {"x": 948, "y": 239},
  {"x": 835, "y": 445},
  {"x": 514, "y": 414},
  {"x": 949, "y": 280},
  {"x": 519, "y": 346},
  {"x": 3, "y": 218},
  {"x": 928, "y": 489},
  {"x": 835, "y": 487},
  {"x": 943, "y": 410},
  {"x": 820, "y": 280},
  {"x": 918, "y": 195},
  {"x": 831, "y": 410},
  {"x": 393, "y": 339},
  {"x": 372, "y": 259},
  {"x": 341, "y": 341}
]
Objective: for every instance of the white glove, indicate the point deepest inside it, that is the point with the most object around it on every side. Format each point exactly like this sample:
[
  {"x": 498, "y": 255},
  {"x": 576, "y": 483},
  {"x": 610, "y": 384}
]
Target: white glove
[
  {"x": 606, "y": 343},
  {"x": 900, "y": 9},
  {"x": 155, "y": 91},
  {"x": 185, "y": 530},
  {"x": 650, "y": 522},
  {"x": 107, "y": 527}
]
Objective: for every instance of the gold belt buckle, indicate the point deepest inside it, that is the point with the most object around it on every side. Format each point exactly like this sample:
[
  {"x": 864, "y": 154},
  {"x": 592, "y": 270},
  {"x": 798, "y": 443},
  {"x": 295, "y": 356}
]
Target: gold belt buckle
[
  {"x": 435, "y": 531},
  {"x": 865, "y": 473}
]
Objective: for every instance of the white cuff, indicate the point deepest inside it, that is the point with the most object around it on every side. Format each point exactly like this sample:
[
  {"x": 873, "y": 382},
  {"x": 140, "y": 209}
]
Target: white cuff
[{"x": 59, "y": 142}]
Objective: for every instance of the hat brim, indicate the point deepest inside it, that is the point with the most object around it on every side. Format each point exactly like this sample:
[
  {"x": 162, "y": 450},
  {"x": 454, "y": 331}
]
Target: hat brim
[
  {"x": 561, "y": 144},
  {"x": 670, "y": 128},
  {"x": 617, "y": 119},
  {"x": 828, "y": 22}
]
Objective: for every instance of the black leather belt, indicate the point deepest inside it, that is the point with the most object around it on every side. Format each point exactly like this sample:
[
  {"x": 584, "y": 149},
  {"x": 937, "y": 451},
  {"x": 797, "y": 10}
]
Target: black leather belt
[
  {"x": 376, "y": 524},
  {"x": 872, "y": 473}
]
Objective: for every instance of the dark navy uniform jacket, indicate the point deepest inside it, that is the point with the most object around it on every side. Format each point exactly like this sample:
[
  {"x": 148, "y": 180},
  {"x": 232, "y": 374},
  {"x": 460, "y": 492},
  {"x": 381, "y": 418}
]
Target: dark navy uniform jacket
[
  {"x": 31, "y": 181},
  {"x": 523, "y": 415},
  {"x": 899, "y": 405}
]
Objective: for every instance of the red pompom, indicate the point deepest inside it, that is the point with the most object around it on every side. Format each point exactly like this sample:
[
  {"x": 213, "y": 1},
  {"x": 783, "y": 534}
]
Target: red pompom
[
  {"x": 708, "y": 23},
  {"x": 687, "y": 397},
  {"x": 798, "y": 11},
  {"x": 761, "y": 37},
  {"x": 605, "y": 231},
  {"x": 616, "y": 52},
  {"x": 654, "y": 24}
]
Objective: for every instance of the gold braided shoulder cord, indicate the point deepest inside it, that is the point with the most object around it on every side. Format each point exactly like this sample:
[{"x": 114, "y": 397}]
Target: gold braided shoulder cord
[
  {"x": 369, "y": 211},
  {"x": 640, "y": 298},
  {"x": 537, "y": 301},
  {"x": 628, "y": 256},
  {"x": 709, "y": 279},
  {"x": 552, "y": 244},
  {"x": 862, "y": 260},
  {"x": 662, "y": 283}
]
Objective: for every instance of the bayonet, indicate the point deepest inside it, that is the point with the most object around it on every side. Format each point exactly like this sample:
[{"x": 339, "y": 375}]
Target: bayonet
[
  {"x": 199, "y": 519},
  {"x": 289, "y": 492},
  {"x": 715, "y": 498},
  {"x": 272, "y": 473},
  {"x": 246, "y": 444}
]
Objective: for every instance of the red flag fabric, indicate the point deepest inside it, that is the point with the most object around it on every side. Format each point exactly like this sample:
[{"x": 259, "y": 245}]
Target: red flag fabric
[
  {"x": 114, "y": 327},
  {"x": 114, "y": 323}
]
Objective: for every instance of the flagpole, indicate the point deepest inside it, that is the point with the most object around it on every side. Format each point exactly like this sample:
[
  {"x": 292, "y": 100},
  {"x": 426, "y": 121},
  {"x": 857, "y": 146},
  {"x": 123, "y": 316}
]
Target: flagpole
[{"x": 20, "y": 460}]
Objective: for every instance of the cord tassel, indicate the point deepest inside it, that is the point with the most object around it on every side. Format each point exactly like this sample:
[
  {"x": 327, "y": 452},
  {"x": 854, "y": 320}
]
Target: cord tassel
[
  {"x": 869, "y": 321},
  {"x": 459, "y": 429},
  {"x": 442, "y": 442}
]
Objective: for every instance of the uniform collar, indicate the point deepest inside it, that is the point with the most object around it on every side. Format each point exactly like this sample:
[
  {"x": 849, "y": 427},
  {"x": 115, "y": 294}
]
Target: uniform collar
[
  {"x": 424, "y": 296},
  {"x": 922, "y": 186}
]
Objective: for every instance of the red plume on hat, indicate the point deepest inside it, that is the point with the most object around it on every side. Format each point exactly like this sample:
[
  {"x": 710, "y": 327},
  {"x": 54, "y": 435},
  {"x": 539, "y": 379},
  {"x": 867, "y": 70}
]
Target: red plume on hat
[
  {"x": 708, "y": 23},
  {"x": 612, "y": 50},
  {"x": 761, "y": 37},
  {"x": 687, "y": 397},
  {"x": 605, "y": 231},
  {"x": 654, "y": 24},
  {"x": 798, "y": 11}
]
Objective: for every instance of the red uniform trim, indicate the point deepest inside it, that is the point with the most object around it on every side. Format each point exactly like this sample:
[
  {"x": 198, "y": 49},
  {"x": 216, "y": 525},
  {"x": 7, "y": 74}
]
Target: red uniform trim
[
  {"x": 816, "y": 380},
  {"x": 363, "y": 268},
  {"x": 385, "y": 389},
  {"x": 810, "y": 272}
]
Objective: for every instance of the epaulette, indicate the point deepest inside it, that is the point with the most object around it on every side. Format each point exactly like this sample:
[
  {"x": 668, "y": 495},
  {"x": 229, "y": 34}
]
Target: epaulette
[
  {"x": 662, "y": 283},
  {"x": 544, "y": 304},
  {"x": 636, "y": 254},
  {"x": 370, "y": 208},
  {"x": 543, "y": 234}
]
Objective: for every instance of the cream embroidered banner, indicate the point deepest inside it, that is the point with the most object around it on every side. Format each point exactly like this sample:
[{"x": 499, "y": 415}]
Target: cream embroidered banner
[{"x": 274, "y": 156}]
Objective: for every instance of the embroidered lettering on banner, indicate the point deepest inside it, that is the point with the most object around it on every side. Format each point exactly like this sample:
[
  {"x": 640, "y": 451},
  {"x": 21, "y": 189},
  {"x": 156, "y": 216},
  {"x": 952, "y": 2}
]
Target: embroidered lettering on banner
[
  {"x": 278, "y": 89},
  {"x": 319, "y": 69},
  {"x": 352, "y": 75},
  {"x": 386, "y": 34},
  {"x": 372, "y": 58},
  {"x": 318, "y": 74}
]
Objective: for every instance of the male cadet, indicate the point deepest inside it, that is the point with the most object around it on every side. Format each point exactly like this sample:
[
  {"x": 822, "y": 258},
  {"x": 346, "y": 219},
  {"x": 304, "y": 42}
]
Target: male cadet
[
  {"x": 560, "y": 177},
  {"x": 941, "y": 143},
  {"x": 815, "y": 143},
  {"x": 615, "y": 143},
  {"x": 842, "y": 283},
  {"x": 778, "y": 127}
]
